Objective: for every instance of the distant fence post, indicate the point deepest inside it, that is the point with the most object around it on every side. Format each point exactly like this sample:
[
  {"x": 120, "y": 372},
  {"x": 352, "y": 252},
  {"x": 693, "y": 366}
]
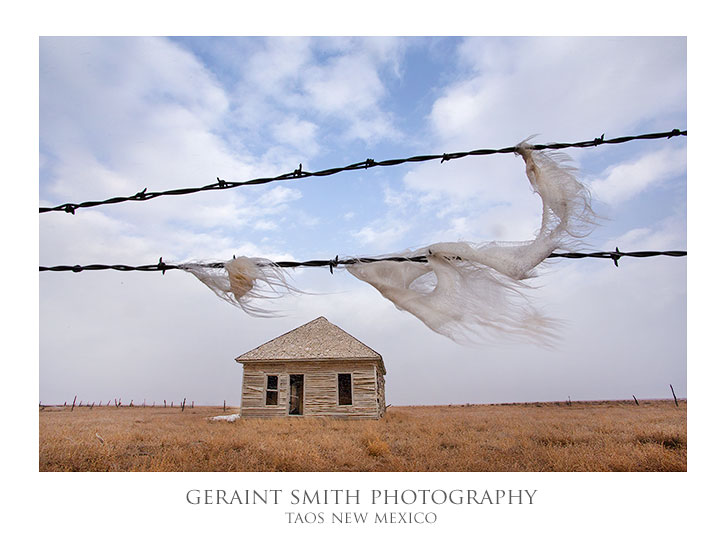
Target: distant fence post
[
  {"x": 74, "y": 398},
  {"x": 224, "y": 405},
  {"x": 636, "y": 400},
  {"x": 164, "y": 403},
  {"x": 674, "y": 397},
  {"x": 192, "y": 404},
  {"x": 183, "y": 405}
]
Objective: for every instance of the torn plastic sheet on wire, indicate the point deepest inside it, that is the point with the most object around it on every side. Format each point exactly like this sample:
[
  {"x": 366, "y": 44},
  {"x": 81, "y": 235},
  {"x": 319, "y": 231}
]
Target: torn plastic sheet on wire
[
  {"x": 468, "y": 292},
  {"x": 242, "y": 281},
  {"x": 463, "y": 290}
]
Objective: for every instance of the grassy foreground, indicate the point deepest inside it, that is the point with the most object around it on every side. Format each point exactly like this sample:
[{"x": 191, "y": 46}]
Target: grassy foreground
[{"x": 588, "y": 436}]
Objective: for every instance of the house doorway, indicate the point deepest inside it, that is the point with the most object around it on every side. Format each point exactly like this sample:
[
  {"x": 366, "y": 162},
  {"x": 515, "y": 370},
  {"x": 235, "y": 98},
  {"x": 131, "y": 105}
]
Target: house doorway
[{"x": 296, "y": 395}]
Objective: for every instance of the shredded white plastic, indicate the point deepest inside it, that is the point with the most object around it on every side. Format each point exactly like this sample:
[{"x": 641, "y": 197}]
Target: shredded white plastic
[
  {"x": 242, "y": 281},
  {"x": 468, "y": 291}
]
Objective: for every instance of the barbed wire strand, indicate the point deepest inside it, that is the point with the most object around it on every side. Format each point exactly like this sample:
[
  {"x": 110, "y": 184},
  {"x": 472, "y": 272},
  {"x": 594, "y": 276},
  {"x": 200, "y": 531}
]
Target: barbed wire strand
[
  {"x": 298, "y": 173},
  {"x": 333, "y": 263}
]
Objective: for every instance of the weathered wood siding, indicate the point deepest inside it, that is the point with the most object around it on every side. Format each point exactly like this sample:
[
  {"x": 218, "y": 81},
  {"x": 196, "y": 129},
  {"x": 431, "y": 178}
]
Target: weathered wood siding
[
  {"x": 320, "y": 388},
  {"x": 381, "y": 399}
]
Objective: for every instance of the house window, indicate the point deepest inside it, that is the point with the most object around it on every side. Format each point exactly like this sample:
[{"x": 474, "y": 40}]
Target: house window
[
  {"x": 272, "y": 389},
  {"x": 344, "y": 388}
]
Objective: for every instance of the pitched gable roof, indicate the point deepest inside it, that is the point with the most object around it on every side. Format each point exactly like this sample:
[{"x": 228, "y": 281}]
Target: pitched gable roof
[{"x": 315, "y": 340}]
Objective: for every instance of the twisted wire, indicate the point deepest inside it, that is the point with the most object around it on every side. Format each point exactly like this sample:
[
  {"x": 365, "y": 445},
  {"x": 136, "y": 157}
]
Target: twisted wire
[
  {"x": 333, "y": 263},
  {"x": 298, "y": 173}
]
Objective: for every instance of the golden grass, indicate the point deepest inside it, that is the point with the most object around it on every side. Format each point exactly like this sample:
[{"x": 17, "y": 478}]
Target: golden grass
[{"x": 592, "y": 436}]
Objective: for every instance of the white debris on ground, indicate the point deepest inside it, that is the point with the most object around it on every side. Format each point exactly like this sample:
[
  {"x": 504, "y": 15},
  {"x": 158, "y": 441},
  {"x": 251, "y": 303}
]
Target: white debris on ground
[{"x": 230, "y": 419}]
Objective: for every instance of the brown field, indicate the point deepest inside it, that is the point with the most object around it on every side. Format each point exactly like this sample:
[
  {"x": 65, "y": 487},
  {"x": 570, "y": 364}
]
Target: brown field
[{"x": 585, "y": 436}]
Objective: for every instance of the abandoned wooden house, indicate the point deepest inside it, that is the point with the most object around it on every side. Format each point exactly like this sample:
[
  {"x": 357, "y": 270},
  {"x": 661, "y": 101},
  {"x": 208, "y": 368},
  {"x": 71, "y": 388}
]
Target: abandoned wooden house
[{"x": 316, "y": 369}]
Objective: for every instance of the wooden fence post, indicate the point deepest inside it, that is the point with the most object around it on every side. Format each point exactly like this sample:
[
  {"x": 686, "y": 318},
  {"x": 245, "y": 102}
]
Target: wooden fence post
[
  {"x": 74, "y": 398},
  {"x": 674, "y": 397},
  {"x": 636, "y": 400},
  {"x": 184, "y": 404},
  {"x": 224, "y": 405},
  {"x": 164, "y": 403}
]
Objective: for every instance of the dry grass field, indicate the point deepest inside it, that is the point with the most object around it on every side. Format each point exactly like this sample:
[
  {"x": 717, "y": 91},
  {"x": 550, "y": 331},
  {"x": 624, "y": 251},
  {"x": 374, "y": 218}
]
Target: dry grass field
[{"x": 586, "y": 436}]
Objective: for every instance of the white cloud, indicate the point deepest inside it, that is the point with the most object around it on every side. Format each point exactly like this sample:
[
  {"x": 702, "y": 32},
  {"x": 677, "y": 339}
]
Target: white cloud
[
  {"x": 234, "y": 212},
  {"x": 94, "y": 176},
  {"x": 265, "y": 225},
  {"x": 471, "y": 181},
  {"x": 118, "y": 79},
  {"x": 299, "y": 134},
  {"x": 668, "y": 234},
  {"x": 383, "y": 234},
  {"x": 347, "y": 83},
  {"x": 91, "y": 237},
  {"x": 275, "y": 67},
  {"x": 561, "y": 87},
  {"x": 335, "y": 78},
  {"x": 622, "y": 182},
  {"x": 398, "y": 199},
  {"x": 276, "y": 197},
  {"x": 350, "y": 87},
  {"x": 120, "y": 115}
]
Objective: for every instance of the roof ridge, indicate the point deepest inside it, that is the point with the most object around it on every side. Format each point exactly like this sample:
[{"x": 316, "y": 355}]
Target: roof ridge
[
  {"x": 335, "y": 343},
  {"x": 283, "y": 335}
]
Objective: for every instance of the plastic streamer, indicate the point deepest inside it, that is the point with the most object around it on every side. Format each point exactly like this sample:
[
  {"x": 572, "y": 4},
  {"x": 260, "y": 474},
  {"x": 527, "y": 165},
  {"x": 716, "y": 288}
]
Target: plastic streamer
[{"x": 242, "y": 281}]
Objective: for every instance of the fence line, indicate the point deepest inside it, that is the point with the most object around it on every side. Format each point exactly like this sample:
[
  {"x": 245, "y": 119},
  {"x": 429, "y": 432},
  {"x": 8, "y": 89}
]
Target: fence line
[
  {"x": 299, "y": 173},
  {"x": 615, "y": 256}
]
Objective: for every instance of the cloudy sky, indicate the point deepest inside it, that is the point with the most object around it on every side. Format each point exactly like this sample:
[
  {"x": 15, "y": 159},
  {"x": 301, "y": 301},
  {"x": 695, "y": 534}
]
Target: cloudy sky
[{"x": 118, "y": 115}]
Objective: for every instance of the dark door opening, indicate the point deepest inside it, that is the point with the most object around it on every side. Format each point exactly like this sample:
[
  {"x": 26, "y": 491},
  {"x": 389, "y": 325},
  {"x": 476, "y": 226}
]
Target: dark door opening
[{"x": 296, "y": 395}]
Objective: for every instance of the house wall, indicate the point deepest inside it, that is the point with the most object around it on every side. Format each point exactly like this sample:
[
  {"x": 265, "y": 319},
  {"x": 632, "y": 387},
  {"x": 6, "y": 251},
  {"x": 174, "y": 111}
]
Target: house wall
[
  {"x": 381, "y": 399},
  {"x": 320, "y": 389}
]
